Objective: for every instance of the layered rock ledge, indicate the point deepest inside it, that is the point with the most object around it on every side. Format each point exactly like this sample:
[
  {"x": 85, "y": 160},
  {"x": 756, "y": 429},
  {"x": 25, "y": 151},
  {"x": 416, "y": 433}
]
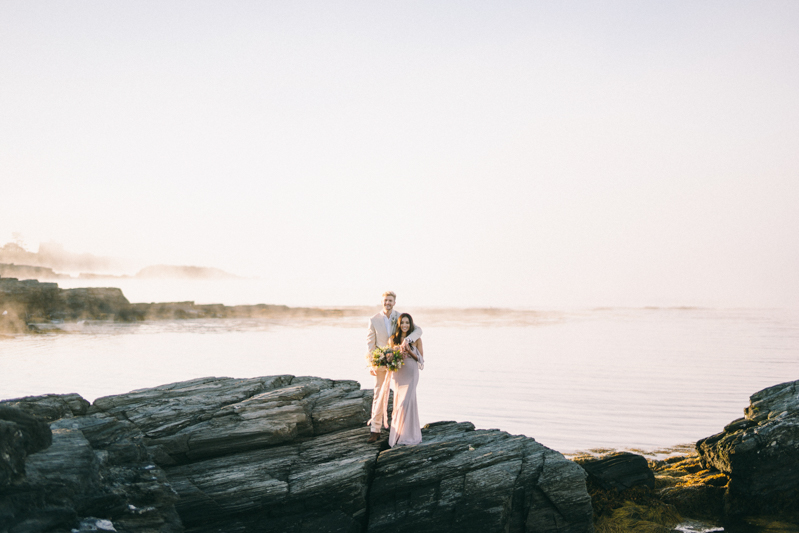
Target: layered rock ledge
[
  {"x": 28, "y": 302},
  {"x": 760, "y": 454},
  {"x": 275, "y": 453},
  {"x": 745, "y": 478}
]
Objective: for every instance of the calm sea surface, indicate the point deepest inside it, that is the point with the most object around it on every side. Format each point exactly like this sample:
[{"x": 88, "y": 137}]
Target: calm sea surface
[{"x": 642, "y": 379}]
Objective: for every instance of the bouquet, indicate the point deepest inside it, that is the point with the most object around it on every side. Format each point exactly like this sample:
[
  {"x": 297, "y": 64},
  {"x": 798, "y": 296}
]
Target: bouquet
[{"x": 390, "y": 358}]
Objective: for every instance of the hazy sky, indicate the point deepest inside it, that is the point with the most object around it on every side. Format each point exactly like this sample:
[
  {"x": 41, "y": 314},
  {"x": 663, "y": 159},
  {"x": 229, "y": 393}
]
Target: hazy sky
[{"x": 477, "y": 153}]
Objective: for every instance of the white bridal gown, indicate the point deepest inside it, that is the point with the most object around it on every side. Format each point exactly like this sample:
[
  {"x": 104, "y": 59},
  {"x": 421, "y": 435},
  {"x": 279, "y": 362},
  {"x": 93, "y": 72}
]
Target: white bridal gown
[{"x": 405, "y": 427}]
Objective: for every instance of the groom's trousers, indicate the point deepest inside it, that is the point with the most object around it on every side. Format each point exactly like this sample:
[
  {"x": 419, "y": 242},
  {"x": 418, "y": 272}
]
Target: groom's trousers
[{"x": 380, "y": 400}]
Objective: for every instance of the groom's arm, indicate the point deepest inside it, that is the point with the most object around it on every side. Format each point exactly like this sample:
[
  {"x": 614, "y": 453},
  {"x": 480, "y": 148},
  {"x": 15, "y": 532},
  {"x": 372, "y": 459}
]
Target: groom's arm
[
  {"x": 371, "y": 336},
  {"x": 415, "y": 335}
]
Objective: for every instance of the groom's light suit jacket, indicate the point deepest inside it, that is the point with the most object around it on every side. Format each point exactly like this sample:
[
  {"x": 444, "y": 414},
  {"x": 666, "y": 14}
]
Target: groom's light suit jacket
[{"x": 378, "y": 336}]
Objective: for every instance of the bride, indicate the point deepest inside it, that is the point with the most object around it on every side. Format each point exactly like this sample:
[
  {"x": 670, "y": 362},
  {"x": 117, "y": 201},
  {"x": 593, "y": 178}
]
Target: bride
[{"x": 405, "y": 427}]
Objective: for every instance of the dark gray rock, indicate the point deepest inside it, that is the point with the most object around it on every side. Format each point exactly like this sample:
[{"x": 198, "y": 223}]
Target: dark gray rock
[
  {"x": 462, "y": 479},
  {"x": 280, "y": 454},
  {"x": 20, "y": 435},
  {"x": 292, "y": 487},
  {"x": 760, "y": 453},
  {"x": 12, "y": 453},
  {"x": 96, "y": 466},
  {"x": 620, "y": 471},
  {"x": 35, "y": 432},
  {"x": 209, "y": 417},
  {"x": 700, "y": 501},
  {"x": 51, "y": 407},
  {"x": 289, "y": 454}
]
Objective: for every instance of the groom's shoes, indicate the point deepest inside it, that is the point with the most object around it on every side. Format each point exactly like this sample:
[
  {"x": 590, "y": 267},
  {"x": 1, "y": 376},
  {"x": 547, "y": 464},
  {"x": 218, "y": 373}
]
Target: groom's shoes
[{"x": 373, "y": 437}]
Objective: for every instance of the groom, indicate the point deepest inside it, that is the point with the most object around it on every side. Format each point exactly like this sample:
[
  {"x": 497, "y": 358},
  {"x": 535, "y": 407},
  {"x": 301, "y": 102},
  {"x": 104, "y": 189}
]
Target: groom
[{"x": 381, "y": 327}]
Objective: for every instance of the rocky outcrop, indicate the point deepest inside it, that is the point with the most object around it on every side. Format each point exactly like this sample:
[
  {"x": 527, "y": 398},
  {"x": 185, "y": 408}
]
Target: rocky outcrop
[
  {"x": 282, "y": 453},
  {"x": 10, "y": 270},
  {"x": 745, "y": 478},
  {"x": 27, "y": 302},
  {"x": 189, "y": 310},
  {"x": 760, "y": 453},
  {"x": 20, "y": 435},
  {"x": 620, "y": 471},
  {"x": 21, "y": 301},
  {"x": 624, "y": 494},
  {"x": 95, "y": 465},
  {"x": 463, "y": 479}
]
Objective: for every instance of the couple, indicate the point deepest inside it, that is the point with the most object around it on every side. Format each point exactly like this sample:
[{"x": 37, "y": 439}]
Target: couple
[{"x": 389, "y": 328}]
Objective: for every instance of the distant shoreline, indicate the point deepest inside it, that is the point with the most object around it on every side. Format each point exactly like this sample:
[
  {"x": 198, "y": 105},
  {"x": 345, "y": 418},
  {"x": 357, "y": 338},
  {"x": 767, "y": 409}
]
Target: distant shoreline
[
  {"x": 24, "y": 304},
  {"x": 27, "y": 302},
  {"x": 44, "y": 273}
]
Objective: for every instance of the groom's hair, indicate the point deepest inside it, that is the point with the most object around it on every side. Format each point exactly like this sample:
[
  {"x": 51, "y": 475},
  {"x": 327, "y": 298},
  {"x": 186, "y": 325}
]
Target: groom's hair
[{"x": 389, "y": 293}]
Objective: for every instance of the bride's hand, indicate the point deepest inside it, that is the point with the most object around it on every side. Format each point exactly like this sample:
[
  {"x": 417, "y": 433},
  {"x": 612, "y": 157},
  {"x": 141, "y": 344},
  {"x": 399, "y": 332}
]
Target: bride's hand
[{"x": 407, "y": 352}]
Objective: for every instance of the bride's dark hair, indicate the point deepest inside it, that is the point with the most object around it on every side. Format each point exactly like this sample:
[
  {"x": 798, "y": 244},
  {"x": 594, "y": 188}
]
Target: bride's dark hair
[{"x": 396, "y": 339}]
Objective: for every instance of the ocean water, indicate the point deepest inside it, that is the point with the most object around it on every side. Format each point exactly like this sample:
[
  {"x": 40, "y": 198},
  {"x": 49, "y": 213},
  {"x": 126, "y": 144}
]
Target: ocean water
[{"x": 576, "y": 380}]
